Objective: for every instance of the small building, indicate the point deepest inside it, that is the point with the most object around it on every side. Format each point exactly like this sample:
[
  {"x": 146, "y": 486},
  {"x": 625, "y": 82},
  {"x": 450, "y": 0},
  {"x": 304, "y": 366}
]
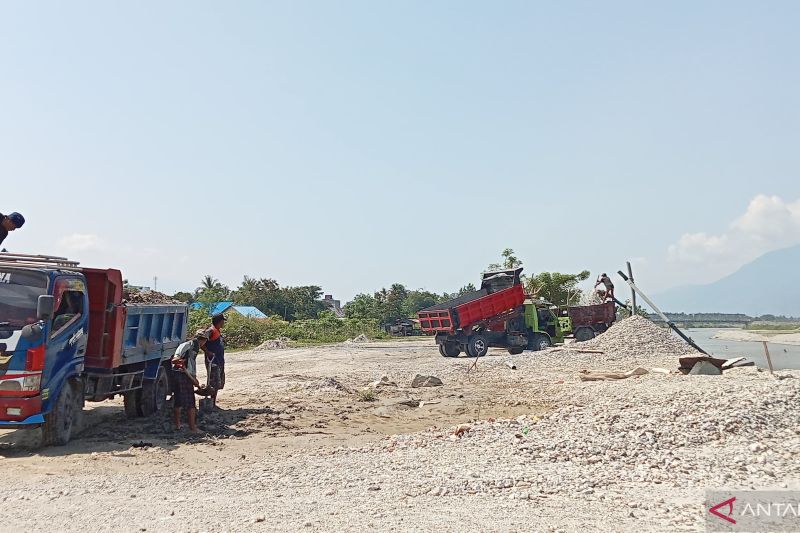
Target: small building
[
  {"x": 333, "y": 305},
  {"x": 217, "y": 308}
]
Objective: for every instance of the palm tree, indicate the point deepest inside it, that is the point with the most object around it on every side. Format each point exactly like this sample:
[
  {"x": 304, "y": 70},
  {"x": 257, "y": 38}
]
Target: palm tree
[{"x": 209, "y": 282}]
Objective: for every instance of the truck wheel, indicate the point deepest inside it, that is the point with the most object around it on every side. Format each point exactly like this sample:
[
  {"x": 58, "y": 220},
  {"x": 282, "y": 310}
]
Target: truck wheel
[
  {"x": 477, "y": 346},
  {"x": 584, "y": 334},
  {"x": 154, "y": 393},
  {"x": 64, "y": 417},
  {"x": 516, "y": 350},
  {"x": 133, "y": 400},
  {"x": 541, "y": 342},
  {"x": 449, "y": 349}
]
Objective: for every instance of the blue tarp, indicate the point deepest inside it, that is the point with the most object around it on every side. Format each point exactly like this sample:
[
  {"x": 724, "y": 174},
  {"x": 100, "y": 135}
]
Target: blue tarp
[
  {"x": 221, "y": 307},
  {"x": 217, "y": 308},
  {"x": 249, "y": 311}
]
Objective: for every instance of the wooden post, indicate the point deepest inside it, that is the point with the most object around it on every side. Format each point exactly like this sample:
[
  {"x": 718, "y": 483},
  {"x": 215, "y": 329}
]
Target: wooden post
[
  {"x": 769, "y": 360},
  {"x": 633, "y": 293}
]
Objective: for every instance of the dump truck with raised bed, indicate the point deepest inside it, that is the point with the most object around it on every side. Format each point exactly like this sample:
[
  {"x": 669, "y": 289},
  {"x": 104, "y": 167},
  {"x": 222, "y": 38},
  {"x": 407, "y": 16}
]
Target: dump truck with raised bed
[
  {"x": 500, "y": 315},
  {"x": 66, "y": 336}
]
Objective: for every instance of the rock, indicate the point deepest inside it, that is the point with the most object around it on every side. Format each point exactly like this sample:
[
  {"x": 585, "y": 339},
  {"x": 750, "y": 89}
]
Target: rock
[
  {"x": 383, "y": 382},
  {"x": 426, "y": 381},
  {"x": 704, "y": 368}
]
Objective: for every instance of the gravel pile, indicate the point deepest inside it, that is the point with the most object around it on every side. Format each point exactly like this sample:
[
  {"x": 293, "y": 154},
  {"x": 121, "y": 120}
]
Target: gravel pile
[
  {"x": 639, "y": 338},
  {"x": 669, "y": 433},
  {"x": 132, "y": 296},
  {"x": 358, "y": 340},
  {"x": 280, "y": 343}
]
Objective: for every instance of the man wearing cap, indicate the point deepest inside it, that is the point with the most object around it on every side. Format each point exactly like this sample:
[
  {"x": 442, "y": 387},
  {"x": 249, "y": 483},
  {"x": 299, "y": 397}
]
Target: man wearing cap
[
  {"x": 184, "y": 366},
  {"x": 9, "y": 223},
  {"x": 215, "y": 356}
]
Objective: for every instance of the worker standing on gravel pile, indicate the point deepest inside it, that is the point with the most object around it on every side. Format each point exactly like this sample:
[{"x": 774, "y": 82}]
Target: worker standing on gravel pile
[
  {"x": 605, "y": 280},
  {"x": 215, "y": 356},
  {"x": 10, "y": 223},
  {"x": 184, "y": 363}
]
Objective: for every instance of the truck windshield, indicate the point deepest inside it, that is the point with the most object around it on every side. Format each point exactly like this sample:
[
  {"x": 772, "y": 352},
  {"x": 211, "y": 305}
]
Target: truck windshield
[{"x": 19, "y": 294}]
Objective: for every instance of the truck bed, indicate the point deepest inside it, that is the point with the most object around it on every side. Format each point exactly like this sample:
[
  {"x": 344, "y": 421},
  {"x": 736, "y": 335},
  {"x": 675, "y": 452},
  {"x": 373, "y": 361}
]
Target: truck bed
[
  {"x": 469, "y": 309},
  {"x": 121, "y": 334},
  {"x": 592, "y": 315}
]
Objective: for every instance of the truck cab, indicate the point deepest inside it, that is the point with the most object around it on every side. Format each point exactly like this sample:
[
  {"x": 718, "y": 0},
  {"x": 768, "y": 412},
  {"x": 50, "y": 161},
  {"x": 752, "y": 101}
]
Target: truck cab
[
  {"x": 66, "y": 336},
  {"x": 43, "y": 323}
]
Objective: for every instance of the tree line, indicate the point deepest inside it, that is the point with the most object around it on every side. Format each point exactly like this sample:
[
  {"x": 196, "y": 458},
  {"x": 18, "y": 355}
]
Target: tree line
[{"x": 385, "y": 305}]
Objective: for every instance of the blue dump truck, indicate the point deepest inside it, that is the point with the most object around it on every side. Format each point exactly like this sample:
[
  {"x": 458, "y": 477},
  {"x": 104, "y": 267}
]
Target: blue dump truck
[{"x": 67, "y": 336}]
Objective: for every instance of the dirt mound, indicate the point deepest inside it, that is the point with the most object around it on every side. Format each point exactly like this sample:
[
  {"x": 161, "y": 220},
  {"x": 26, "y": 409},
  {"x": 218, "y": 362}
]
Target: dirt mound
[
  {"x": 358, "y": 340},
  {"x": 133, "y": 296},
  {"x": 639, "y": 338},
  {"x": 325, "y": 384},
  {"x": 273, "y": 344}
]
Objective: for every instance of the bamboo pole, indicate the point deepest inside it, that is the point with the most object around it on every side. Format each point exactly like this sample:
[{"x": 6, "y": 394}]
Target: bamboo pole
[
  {"x": 633, "y": 293},
  {"x": 769, "y": 359}
]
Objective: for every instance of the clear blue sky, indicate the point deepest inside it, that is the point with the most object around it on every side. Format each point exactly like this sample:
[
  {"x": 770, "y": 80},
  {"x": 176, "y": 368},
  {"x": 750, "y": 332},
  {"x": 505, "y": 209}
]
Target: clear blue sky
[{"x": 356, "y": 144}]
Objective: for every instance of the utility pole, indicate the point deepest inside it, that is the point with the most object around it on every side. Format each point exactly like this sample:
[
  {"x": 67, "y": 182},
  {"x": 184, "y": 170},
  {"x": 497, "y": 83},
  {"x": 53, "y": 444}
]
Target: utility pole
[{"x": 155, "y": 280}]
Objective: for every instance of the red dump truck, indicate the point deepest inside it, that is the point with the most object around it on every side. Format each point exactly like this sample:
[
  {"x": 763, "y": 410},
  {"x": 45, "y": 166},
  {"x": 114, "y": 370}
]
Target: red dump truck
[{"x": 500, "y": 315}]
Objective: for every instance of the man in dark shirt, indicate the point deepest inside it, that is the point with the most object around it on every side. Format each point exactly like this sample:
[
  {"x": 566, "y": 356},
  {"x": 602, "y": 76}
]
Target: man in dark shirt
[
  {"x": 606, "y": 281},
  {"x": 9, "y": 223}
]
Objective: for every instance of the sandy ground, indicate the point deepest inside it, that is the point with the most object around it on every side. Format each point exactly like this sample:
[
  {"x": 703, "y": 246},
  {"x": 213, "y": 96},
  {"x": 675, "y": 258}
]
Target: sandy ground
[
  {"x": 759, "y": 336},
  {"x": 295, "y": 446}
]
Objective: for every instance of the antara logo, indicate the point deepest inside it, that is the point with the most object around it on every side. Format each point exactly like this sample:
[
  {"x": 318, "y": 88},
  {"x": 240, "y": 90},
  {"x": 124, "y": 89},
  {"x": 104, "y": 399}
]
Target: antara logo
[
  {"x": 5, "y": 277},
  {"x": 727, "y": 503}
]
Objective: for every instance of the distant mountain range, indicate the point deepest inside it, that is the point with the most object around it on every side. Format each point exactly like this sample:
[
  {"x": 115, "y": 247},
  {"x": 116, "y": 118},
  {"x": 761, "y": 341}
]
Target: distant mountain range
[{"x": 767, "y": 285}]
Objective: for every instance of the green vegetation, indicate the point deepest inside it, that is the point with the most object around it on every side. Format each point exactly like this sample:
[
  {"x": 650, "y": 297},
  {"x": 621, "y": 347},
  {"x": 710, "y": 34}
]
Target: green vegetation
[
  {"x": 242, "y": 332},
  {"x": 555, "y": 287},
  {"x": 366, "y": 395},
  {"x": 793, "y": 327}
]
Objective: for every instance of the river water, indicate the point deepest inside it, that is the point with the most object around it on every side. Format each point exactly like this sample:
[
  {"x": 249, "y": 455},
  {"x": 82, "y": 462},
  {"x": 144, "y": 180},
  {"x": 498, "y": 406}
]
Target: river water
[{"x": 783, "y": 356}]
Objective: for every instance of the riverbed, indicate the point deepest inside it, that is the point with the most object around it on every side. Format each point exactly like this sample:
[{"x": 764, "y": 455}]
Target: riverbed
[{"x": 783, "y": 356}]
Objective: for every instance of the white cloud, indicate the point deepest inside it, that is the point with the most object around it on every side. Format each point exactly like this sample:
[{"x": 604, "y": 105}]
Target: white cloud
[
  {"x": 769, "y": 223},
  {"x": 79, "y": 242}
]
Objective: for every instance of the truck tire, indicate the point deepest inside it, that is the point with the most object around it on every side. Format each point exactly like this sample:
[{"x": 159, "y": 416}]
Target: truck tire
[
  {"x": 584, "y": 333},
  {"x": 132, "y": 401},
  {"x": 515, "y": 350},
  {"x": 64, "y": 417},
  {"x": 154, "y": 393},
  {"x": 477, "y": 346},
  {"x": 541, "y": 342},
  {"x": 449, "y": 349}
]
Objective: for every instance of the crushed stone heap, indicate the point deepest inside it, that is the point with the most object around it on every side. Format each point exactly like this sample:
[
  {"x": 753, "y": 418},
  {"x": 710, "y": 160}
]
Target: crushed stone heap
[{"x": 638, "y": 337}]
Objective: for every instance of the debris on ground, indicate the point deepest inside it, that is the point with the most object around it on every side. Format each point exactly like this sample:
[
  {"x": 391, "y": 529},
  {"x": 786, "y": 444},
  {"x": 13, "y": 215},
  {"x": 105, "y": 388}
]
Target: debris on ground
[
  {"x": 595, "y": 375},
  {"x": 358, "y": 340},
  {"x": 383, "y": 382},
  {"x": 426, "y": 381},
  {"x": 326, "y": 384}
]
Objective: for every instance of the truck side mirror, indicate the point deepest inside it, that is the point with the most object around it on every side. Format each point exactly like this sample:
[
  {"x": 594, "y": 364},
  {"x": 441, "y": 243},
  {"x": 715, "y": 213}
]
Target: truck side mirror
[{"x": 45, "y": 307}]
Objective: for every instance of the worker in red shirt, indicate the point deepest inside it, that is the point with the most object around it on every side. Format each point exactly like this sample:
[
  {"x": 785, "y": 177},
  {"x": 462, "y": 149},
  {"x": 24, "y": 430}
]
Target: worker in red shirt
[{"x": 215, "y": 356}]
